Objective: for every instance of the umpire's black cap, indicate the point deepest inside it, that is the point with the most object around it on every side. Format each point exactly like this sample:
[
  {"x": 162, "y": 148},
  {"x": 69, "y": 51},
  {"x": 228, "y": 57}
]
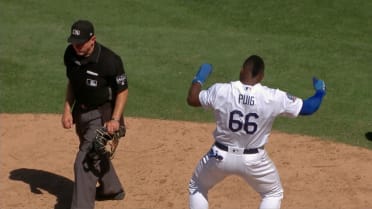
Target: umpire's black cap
[{"x": 81, "y": 32}]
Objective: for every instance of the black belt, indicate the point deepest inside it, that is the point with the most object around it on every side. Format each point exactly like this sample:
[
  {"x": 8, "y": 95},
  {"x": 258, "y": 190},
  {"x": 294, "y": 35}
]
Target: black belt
[
  {"x": 86, "y": 108},
  {"x": 246, "y": 151}
]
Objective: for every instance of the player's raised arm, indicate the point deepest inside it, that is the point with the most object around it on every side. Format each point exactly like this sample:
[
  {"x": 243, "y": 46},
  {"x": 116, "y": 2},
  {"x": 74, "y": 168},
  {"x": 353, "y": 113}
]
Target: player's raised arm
[
  {"x": 196, "y": 85},
  {"x": 312, "y": 104}
]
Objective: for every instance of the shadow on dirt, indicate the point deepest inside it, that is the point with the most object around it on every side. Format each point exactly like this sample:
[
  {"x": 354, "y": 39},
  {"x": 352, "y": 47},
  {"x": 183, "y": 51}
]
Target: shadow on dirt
[
  {"x": 57, "y": 185},
  {"x": 369, "y": 136}
]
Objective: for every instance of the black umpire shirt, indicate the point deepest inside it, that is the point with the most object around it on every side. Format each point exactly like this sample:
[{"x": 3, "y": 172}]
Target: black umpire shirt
[{"x": 95, "y": 79}]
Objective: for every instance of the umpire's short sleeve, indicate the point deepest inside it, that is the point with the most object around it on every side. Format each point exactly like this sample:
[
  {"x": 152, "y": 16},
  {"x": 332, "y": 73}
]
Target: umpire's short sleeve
[{"x": 121, "y": 80}]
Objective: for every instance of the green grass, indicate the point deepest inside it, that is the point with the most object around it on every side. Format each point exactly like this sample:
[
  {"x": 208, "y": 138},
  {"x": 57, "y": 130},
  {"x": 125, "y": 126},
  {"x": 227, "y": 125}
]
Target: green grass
[{"x": 163, "y": 43}]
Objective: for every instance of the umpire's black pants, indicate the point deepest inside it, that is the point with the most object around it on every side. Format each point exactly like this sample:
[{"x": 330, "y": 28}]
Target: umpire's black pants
[{"x": 88, "y": 172}]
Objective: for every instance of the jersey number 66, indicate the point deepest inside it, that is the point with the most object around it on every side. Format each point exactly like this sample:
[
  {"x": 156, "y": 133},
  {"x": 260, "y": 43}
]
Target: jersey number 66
[{"x": 236, "y": 124}]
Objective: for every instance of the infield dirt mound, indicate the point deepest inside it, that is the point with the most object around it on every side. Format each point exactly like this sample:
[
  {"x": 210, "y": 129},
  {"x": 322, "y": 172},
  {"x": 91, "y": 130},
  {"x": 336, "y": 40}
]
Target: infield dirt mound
[{"x": 155, "y": 162}]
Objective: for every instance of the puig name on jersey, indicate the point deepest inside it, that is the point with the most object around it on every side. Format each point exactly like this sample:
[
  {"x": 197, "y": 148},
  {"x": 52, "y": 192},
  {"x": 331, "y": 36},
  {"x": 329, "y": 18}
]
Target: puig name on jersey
[{"x": 246, "y": 99}]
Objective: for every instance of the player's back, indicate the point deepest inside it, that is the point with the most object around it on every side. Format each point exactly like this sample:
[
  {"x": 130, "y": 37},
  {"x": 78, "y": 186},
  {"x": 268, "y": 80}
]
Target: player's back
[{"x": 244, "y": 114}]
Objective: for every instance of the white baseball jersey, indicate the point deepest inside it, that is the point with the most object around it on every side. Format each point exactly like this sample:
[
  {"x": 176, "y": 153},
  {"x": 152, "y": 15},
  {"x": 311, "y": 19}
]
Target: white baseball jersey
[
  {"x": 245, "y": 114},
  {"x": 244, "y": 117}
]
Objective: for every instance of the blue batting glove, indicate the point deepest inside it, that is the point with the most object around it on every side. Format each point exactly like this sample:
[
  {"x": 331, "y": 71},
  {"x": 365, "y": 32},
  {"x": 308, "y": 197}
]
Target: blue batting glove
[
  {"x": 204, "y": 71},
  {"x": 319, "y": 85}
]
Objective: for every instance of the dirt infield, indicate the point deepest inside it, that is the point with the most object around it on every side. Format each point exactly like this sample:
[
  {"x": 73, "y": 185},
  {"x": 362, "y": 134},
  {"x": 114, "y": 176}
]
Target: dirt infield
[{"x": 155, "y": 161}]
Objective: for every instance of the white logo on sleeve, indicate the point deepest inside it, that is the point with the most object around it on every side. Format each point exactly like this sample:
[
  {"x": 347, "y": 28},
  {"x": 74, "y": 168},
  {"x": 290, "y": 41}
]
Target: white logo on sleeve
[
  {"x": 291, "y": 97},
  {"x": 121, "y": 79}
]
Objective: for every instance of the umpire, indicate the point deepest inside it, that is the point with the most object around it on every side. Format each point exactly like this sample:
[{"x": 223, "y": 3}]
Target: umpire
[{"x": 96, "y": 95}]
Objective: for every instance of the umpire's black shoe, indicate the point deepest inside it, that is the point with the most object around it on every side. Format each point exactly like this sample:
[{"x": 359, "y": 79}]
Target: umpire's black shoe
[{"x": 116, "y": 196}]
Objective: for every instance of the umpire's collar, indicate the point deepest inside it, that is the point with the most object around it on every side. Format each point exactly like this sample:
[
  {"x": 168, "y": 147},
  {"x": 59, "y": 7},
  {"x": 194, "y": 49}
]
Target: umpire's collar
[{"x": 93, "y": 58}]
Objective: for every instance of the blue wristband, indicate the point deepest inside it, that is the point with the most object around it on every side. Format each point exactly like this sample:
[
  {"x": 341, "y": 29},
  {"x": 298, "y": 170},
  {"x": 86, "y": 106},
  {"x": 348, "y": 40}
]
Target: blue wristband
[
  {"x": 319, "y": 85},
  {"x": 204, "y": 71}
]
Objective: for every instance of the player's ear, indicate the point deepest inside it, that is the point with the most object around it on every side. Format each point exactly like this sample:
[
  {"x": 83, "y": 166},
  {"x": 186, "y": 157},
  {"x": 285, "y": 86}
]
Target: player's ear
[
  {"x": 241, "y": 74},
  {"x": 259, "y": 77}
]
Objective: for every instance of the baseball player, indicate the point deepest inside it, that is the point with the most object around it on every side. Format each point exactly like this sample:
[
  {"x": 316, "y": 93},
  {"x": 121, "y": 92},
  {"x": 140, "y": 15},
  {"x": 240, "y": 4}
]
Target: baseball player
[{"x": 244, "y": 111}]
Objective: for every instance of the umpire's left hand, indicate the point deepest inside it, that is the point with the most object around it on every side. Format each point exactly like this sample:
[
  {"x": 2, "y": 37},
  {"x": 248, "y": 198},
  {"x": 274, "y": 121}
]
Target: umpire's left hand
[{"x": 112, "y": 126}]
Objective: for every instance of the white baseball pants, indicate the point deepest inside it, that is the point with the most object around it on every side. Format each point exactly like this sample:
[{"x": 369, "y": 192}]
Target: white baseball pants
[{"x": 256, "y": 169}]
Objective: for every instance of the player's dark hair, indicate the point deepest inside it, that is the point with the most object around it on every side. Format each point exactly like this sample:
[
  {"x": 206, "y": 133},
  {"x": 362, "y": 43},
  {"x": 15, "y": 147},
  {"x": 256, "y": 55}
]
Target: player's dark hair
[{"x": 256, "y": 64}]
